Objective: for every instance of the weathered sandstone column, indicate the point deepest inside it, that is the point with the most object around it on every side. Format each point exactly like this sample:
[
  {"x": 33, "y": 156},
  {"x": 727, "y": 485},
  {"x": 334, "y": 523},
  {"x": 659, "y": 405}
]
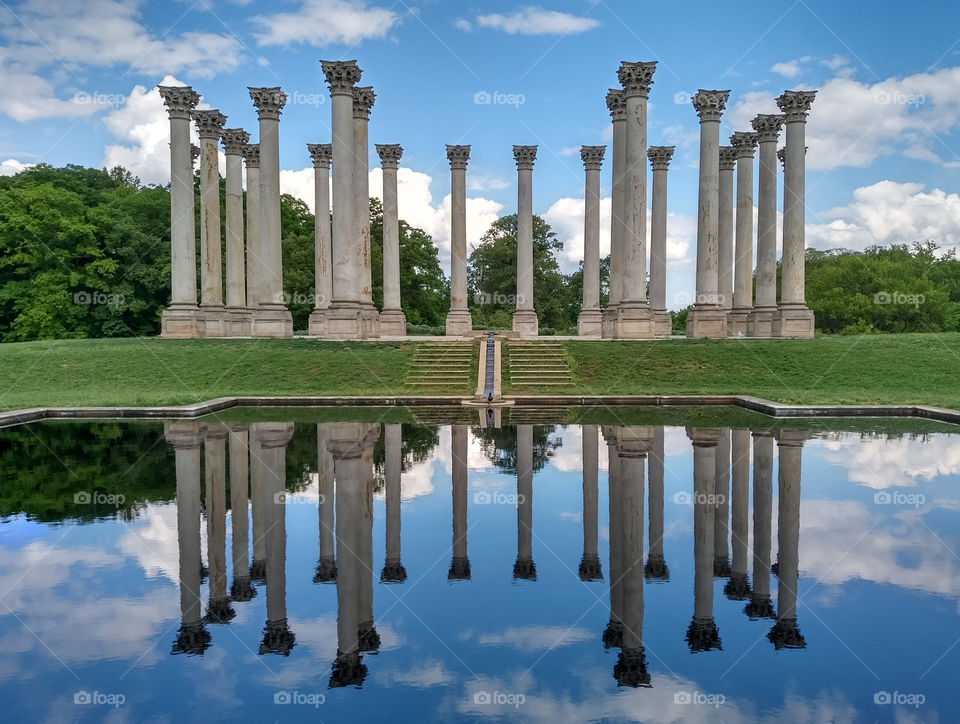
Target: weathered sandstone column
[
  {"x": 251, "y": 158},
  {"x": 707, "y": 318},
  {"x": 659, "y": 160},
  {"x": 392, "y": 320},
  {"x": 590, "y": 568},
  {"x": 728, "y": 160},
  {"x": 182, "y": 319},
  {"x": 744, "y": 145},
  {"x": 237, "y": 317},
  {"x": 458, "y": 318},
  {"x": 209, "y": 125},
  {"x": 273, "y": 318},
  {"x": 525, "y": 321},
  {"x": 617, "y": 106},
  {"x": 589, "y": 321},
  {"x": 363, "y": 99},
  {"x": 768, "y": 128},
  {"x": 320, "y": 154}
]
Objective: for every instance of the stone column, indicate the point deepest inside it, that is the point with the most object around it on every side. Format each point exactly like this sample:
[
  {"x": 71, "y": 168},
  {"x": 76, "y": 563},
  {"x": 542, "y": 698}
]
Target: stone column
[
  {"x": 327, "y": 562},
  {"x": 613, "y": 634},
  {"x": 589, "y": 322},
  {"x": 185, "y": 437},
  {"x": 368, "y": 636},
  {"x": 590, "y": 568},
  {"x": 460, "y": 563},
  {"x": 728, "y": 160},
  {"x": 707, "y": 318},
  {"x": 251, "y": 158},
  {"x": 760, "y": 324},
  {"x": 794, "y": 318},
  {"x": 525, "y": 321},
  {"x": 182, "y": 318},
  {"x": 656, "y": 566},
  {"x": 458, "y": 321},
  {"x": 524, "y": 567},
  {"x": 738, "y": 587},
  {"x": 237, "y": 317},
  {"x": 392, "y": 320},
  {"x": 239, "y": 447},
  {"x": 320, "y": 154},
  {"x": 785, "y": 633},
  {"x": 272, "y": 439},
  {"x": 209, "y": 125},
  {"x": 273, "y": 318},
  {"x": 363, "y": 99},
  {"x": 659, "y": 160},
  {"x": 759, "y": 605},
  {"x": 721, "y": 529},
  {"x": 744, "y": 145},
  {"x": 219, "y": 609},
  {"x": 634, "y": 317},
  {"x": 617, "y": 106},
  {"x": 702, "y": 635},
  {"x": 393, "y": 570}
]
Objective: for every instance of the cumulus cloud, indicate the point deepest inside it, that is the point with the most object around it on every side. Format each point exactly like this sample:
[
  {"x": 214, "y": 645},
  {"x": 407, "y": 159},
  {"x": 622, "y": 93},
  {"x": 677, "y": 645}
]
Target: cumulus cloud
[
  {"x": 536, "y": 21},
  {"x": 322, "y": 22},
  {"x": 11, "y": 167},
  {"x": 789, "y": 69}
]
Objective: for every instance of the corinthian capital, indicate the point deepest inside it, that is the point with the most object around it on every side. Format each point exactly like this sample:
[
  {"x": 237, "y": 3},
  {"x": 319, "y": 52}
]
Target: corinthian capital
[
  {"x": 636, "y": 78},
  {"x": 363, "y": 98},
  {"x": 744, "y": 143},
  {"x": 179, "y": 100},
  {"x": 728, "y": 158},
  {"x": 251, "y": 155},
  {"x": 234, "y": 140},
  {"x": 209, "y": 123},
  {"x": 767, "y": 126},
  {"x": 342, "y": 75},
  {"x": 616, "y": 104},
  {"x": 592, "y": 157},
  {"x": 795, "y": 104},
  {"x": 710, "y": 104},
  {"x": 525, "y": 156},
  {"x": 269, "y": 102},
  {"x": 389, "y": 154},
  {"x": 660, "y": 157},
  {"x": 458, "y": 156},
  {"x": 320, "y": 154}
]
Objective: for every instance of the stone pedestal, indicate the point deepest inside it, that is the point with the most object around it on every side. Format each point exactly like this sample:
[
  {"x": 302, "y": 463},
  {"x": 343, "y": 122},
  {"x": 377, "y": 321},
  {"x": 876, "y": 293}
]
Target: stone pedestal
[
  {"x": 320, "y": 154},
  {"x": 589, "y": 322},
  {"x": 616, "y": 104}
]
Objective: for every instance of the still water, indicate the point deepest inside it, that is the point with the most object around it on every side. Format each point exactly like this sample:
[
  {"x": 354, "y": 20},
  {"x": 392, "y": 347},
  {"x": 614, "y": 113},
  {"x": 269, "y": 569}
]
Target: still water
[{"x": 703, "y": 566}]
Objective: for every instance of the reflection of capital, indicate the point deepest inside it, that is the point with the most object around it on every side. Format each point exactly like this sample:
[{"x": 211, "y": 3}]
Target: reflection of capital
[
  {"x": 738, "y": 587},
  {"x": 459, "y": 569},
  {"x": 183, "y": 435},
  {"x": 524, "y": 569},
  {"x": 721, "y": 567},
  {"x": 393, "y": 571},
  {"x": 367, "y": 636},
  {"x": 613, "y": 635},
  {"x": 219, "y": 610},
  {"x": 705, "y": 436},
  {"x": 242, "y": 589},
  {"x": 326, "y": 570},
  {"x": 786, "y": 635},
  {"x": 348, "y": 670},
  {"x": 702, "y": 635},
  {"x": 656, "y": 569},
  {"x": 192, "y": 638},
  {"x": 759, "y": 606},
  {"x": 277, "y": 638},
  {"x": 590, "y": 568},
  {"x": 631, "y": 668}
]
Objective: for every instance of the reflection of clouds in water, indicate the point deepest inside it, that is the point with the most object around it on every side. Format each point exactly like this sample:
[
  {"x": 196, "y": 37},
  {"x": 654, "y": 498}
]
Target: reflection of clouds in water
[
  {"x": 421, "y": 676},
  {"x": 569, "y": 456},
  {"x": 535, "y": 638},
  {"x": 152, "y": 540},
  {"x": 878, "y": 462}
]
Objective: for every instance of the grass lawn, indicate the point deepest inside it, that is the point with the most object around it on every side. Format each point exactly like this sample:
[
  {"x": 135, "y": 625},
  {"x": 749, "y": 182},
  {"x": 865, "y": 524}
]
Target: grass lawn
[{"x": 908, "y": 368}]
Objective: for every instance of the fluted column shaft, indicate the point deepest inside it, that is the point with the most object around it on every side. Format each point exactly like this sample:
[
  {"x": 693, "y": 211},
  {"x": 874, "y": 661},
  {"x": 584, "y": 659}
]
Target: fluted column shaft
[
  {"x": 234, "y": 140},
  {"x": 363, "y": 99},
  {"x": 251, "y": 156},
  {"x": 591, "y": 231},
  {"x": 614, "y": 633},
  {"x": 658, "y": 232},
  {"x": 209, "y": 125},
  {"x": 745, "y": 145},
  {"x": 347, "y": 256},
  {"x": 725, "y": 228},
  {"x": 710, "y": 109},
  {"x": 768, "y": 127},
  {"x": 525, "y": 232},
  {"x": 321, "y": 153},
  {"x": 618, "y": 195},
  {"x": 391, "y": 234}
]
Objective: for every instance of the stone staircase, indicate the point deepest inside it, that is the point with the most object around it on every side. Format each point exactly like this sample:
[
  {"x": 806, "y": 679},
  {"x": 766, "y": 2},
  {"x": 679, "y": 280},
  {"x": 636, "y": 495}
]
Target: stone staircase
[
  {"x": 443, "y": 367},
  {"x": 537, "y": 415},
  {"x": 541, "y": 365}
]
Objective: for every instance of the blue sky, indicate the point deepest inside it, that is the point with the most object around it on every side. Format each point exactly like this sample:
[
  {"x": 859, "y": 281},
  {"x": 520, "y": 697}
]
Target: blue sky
[{"x": 78, "y": 87}]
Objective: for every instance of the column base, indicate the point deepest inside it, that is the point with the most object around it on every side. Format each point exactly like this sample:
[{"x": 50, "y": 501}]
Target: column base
[
  {"x": 608, "y": 325},
  {"x": 662, "y": 323},
  {"x": 760, "y": 322},
  {"x": 525, "y": 323},
  {"x": 706, "y": 322},
  {"x": 182, "y": 322},
  {"x": 352, "y": 320},
  {"x": 590, "y": 323},
  {"x": 317, "y": 326},
  {"x": 793, "y": 321},
  {"x": 214, "y": 316},
  {"x": 738, "y": 322},
  {"x": 393, "y": 323},
  {"x": 458, "y": 323},
  {"x": 237, "y": 322},
  {"x": 634, "y": 321},
  {"x": 271, "y": 321}
]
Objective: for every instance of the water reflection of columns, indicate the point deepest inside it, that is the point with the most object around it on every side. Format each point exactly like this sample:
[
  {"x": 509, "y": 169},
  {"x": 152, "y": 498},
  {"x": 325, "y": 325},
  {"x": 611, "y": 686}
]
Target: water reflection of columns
[
  {"x": 738, "y": 587},
  {"x": 613, "y": 634},
  {"x": 215, "y": 460},
  {"x": 759, "y": 605},
  {"x": 633, "y": 443},
  {"x": 351, "y": 445},
  {"x": 239, "y": 442},
  {"x": 192, "y": 637},
  {"x": 590, "y": 568},
  {"x": 721, "y": 552},
  {"x": 393, "y": 570},
  {"x": 702, "y": 635},
  {"x": 258, "y": 510},
  {"x": 460, "y": 563},
  {"x": 785, "y": 633},
  {"x": 524, "y": 567},
  {"x": 327, "y": 562},
  {"x": 656, "y": 566},
  {"x": 272, "y": 439}
]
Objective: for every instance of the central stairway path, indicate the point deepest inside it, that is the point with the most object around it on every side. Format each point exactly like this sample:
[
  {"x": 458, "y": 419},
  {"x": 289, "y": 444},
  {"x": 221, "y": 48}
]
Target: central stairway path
[
  {"x": 537, "y": 365},
  {"x": 443, "y": 367}
]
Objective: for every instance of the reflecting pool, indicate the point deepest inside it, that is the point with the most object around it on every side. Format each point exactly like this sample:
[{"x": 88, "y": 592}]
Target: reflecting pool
[{"x": 557, "y": 565}]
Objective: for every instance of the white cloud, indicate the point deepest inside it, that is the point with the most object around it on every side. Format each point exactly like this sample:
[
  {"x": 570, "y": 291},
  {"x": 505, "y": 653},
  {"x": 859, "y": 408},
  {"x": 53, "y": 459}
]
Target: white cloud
[
  {"x": 463, "y": 24},
  {"x": 537, "y": 21},
  {"x": 790, "y": 69},
  {"x": 11, "y": 167},
  {"x": 322, "y": 22},
  {"x": 536, "y": 638},
  {"x": 484, "y": 182}
]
